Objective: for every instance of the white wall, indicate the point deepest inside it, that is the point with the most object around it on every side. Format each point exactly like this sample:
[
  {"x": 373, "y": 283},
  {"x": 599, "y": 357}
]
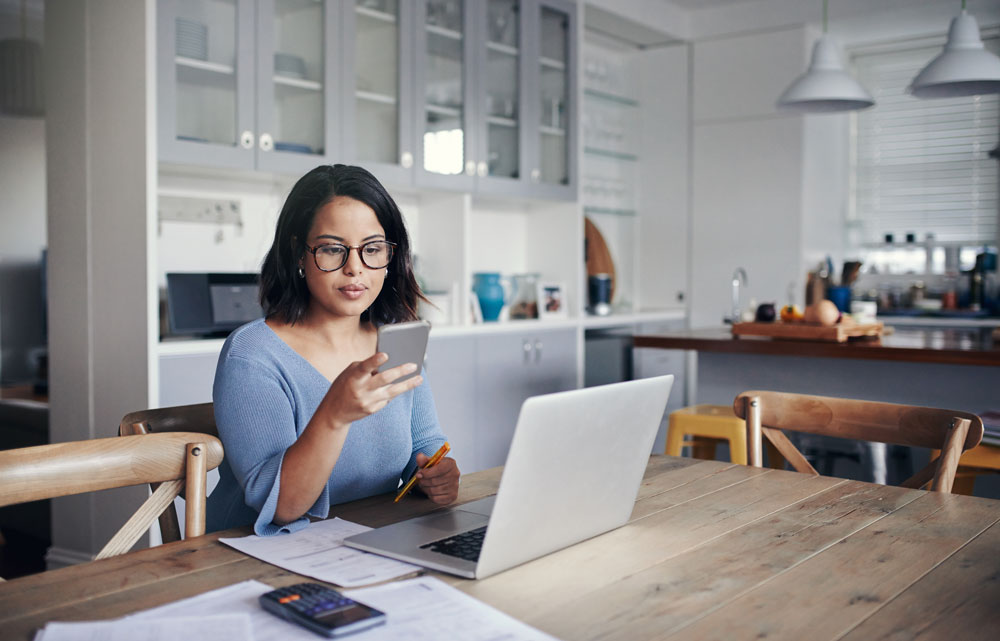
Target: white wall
[
  {"x": 747, "y": 202},
  {"x": 665, "y": 176}
]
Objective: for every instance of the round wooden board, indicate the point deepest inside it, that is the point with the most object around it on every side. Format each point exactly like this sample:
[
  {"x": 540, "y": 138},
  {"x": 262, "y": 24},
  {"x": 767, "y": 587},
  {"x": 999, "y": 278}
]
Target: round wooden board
[{"x": 599, "y": 259}]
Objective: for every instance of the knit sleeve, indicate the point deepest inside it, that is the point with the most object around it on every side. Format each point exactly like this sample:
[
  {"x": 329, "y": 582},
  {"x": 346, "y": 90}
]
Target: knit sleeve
[
  {"x": 424, "y": 425},
  {"x": 256, "y": 422}
]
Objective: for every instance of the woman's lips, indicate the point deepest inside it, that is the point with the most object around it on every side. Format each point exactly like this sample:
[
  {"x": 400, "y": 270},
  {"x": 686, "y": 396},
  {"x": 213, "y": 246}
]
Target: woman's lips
[{"x": 353, "y": 292}]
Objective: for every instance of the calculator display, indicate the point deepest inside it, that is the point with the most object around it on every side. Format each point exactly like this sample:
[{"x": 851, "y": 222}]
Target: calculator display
[{"x": 321, "y": 609}]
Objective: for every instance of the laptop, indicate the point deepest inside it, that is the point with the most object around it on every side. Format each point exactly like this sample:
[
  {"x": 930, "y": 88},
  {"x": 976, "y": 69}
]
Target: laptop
[{"x": 573, "y": 472}]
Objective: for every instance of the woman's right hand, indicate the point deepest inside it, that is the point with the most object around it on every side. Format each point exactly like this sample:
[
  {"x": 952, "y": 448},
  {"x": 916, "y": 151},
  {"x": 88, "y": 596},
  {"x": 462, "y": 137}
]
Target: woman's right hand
[{"x": 361, "y": 389}]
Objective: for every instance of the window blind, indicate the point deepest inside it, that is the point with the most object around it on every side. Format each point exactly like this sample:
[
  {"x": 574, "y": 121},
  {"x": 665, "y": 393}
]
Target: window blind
[{"x": 922, "y": 166}]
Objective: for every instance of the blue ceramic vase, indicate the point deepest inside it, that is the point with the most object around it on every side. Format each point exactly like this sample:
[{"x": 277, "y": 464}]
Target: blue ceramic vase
[{"x": 489, "y": 291}]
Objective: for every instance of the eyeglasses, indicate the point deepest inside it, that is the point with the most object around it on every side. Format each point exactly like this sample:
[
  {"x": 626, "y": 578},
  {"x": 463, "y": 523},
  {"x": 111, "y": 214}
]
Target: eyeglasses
[{"x": 375, "y": 254}]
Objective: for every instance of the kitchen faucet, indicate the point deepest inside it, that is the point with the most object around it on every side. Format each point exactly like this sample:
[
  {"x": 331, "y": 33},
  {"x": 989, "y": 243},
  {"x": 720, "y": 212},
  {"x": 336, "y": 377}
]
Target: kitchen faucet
[{"x": 739, "y": 279}]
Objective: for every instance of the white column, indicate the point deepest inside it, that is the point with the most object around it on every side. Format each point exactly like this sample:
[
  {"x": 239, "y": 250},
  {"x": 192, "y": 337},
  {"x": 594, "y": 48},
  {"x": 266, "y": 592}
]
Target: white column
[{"x": 101, "y": 181}]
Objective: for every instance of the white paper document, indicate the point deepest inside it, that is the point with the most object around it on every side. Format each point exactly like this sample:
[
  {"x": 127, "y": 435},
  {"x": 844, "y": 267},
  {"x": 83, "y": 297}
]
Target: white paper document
[
  {"x": 420, "y": 609},
  {"x": 190, "y": 628},
  {"x": 319, "y": 551},
  {"x": 428, "y": 609},
  {"x": 239, "y": 599}
]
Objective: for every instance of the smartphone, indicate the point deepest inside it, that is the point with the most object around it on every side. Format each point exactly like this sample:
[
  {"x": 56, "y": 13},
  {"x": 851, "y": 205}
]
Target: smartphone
[
  {"x": 321, "y": 609},
  {"x": 404, "y": 343}
]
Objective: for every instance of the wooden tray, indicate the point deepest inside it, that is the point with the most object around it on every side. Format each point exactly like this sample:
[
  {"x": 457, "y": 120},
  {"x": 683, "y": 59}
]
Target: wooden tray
[{"x": 808, "y": 332}]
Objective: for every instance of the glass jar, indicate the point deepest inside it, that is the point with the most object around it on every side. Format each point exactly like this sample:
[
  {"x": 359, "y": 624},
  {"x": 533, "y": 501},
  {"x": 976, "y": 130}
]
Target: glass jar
[{"x": 524, "y": 301}]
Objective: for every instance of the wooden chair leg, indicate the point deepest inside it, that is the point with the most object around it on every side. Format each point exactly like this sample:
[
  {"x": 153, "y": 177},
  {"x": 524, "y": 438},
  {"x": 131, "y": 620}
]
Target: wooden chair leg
[
  {"x": 945, "y": 477},
  {"x": 754, "y": 434},
  {"x": 194, "y": 514}
]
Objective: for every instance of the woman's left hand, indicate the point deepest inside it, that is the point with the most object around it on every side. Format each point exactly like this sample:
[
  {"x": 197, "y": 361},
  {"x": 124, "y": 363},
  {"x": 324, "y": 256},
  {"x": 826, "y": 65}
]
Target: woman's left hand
[{"x": 439, "y": 483}]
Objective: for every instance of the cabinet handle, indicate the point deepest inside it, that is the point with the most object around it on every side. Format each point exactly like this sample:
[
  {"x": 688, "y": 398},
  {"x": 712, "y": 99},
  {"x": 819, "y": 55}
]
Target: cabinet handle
[
  {"x": 470, "y": 168},
  {"x": 406, "y": 160},
  {"x": 246, "y": 139},
  {"x": 538, "y": 351},
  {"x": 481, "y": 169},
  {"x": 536, "y": 175},
  {"x": 527, "y": 348},
  {"x": 266, "y": 142}
]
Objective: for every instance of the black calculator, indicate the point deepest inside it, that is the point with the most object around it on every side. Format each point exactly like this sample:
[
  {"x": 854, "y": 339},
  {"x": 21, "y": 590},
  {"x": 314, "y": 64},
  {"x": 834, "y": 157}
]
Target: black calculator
[{"x": 321, "y": 609}]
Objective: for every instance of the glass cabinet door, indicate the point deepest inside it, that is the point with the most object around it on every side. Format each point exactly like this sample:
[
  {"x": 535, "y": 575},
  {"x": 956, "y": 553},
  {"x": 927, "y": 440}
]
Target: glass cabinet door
[
  {"x": 377, "y": 99},
  {"x": 443, "y": 47},
  {"x": 554, "y": 79},
  {"x": 295, "y": 77},
  {"x": 205, "y": 72},
  {"x": 500, "y": 95}
]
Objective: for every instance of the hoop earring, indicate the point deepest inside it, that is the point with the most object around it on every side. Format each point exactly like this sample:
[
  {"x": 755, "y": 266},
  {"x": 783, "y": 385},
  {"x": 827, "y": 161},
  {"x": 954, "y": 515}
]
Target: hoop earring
[
  {"x": 302, "y": 272},
  {"x": 386, "y": 274}
]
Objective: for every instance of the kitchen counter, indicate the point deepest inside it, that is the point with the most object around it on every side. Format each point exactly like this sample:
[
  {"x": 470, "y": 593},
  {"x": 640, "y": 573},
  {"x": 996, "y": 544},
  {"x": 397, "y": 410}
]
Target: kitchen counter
[
  {"x": 952, "y": 368},
  {"x": 954, "y": 346}
]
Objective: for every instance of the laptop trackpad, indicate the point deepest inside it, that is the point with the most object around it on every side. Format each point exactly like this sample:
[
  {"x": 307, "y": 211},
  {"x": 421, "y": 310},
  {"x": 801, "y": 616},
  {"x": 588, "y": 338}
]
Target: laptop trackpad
[{"x": 450, "y": 522}]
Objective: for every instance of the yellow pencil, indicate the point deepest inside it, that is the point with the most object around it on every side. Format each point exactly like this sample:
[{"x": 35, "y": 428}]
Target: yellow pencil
[{"x": 431, "y": 462}]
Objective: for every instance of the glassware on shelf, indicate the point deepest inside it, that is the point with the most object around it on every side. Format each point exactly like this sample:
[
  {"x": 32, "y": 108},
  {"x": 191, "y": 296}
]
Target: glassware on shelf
[
  {"x": 298, "y": 122},
  {"x": 206, "y": 72},
  {"x": 524, "y": 300}
]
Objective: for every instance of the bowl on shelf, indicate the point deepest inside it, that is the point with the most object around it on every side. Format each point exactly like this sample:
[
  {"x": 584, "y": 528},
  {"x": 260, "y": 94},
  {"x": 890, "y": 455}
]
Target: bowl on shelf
[
  {"x": 191, "y": 39},
  {"x": 289, "y": 65}
]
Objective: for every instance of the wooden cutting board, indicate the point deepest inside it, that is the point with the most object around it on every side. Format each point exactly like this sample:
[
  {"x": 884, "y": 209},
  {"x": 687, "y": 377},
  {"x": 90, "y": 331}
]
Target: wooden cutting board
[
  {"x": 598, "y": 256},
  {"x": 808, "y": 332}
]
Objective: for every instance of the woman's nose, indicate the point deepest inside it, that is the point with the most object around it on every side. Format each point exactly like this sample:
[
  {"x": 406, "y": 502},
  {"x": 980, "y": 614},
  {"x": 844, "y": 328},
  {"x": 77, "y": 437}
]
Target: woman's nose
[{"x": 354, "y": 263}]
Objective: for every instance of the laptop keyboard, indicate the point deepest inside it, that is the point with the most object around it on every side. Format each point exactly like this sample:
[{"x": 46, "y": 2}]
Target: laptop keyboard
[{"x": 465, "y": 545}]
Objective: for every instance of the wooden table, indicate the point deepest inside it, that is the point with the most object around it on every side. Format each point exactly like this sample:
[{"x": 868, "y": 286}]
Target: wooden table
[{"x": 712, "y": 551}]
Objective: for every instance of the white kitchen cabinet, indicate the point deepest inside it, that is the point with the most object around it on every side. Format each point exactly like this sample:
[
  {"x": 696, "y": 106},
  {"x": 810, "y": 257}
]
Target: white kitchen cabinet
[
  {"x": 480, "y": 382},
  {"x": 186, "y": 379},
  {"x": 509, "y": 369},
  {"x": 451, "y": 370},
  {"x": 649, "y": 362},
  {"x": 248, "y": 84}
]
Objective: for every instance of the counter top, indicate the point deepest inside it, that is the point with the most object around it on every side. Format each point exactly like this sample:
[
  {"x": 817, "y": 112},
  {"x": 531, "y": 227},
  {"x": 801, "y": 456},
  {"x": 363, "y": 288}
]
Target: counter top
[{"x": 956, "y": 346}]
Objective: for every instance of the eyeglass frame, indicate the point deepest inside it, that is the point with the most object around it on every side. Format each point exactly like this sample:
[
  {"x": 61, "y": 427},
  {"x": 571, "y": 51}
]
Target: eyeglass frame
[{"x": 347, "y": 256}]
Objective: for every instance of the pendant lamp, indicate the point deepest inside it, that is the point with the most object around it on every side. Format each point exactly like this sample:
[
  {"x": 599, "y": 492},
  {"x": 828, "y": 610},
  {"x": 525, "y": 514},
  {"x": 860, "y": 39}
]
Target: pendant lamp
[
  {"x": 825, "y": 86},
  {"x": 964, "y": 68},
  {"x": 21, "y": 73}
]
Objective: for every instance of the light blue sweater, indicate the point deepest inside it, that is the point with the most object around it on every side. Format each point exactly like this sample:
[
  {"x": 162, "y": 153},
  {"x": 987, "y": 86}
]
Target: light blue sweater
[{"x": 265, "y": 394}]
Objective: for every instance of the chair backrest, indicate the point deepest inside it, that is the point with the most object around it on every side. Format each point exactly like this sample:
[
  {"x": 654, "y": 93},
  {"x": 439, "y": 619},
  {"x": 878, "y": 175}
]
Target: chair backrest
[
  {"x": 181, "y": 418},
  {"x": 951, "y": 431},
  {"x": 175, "y": 461}
]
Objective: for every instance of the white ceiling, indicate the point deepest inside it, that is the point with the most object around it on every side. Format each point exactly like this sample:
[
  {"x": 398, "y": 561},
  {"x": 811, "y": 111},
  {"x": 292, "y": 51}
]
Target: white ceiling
[{"x": 852, "y": 22}]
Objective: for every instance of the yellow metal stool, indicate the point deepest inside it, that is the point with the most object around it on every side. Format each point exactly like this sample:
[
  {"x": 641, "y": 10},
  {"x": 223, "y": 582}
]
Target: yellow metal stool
[{"x": 716, "y": 422}]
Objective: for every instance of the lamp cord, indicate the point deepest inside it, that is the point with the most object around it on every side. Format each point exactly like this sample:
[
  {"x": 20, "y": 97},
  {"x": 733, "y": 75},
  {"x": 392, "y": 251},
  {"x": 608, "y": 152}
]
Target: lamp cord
[
  {"x": 24, "y": 19},
  {"x": 824, "y": 15}
]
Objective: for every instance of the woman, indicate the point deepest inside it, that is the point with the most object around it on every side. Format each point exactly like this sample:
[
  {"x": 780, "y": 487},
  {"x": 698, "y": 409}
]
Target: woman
[{"x": 305, "y": 418}]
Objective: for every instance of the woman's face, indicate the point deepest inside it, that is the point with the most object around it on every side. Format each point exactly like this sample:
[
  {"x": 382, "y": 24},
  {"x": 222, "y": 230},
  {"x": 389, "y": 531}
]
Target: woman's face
[{"x": 352, "y": 289}]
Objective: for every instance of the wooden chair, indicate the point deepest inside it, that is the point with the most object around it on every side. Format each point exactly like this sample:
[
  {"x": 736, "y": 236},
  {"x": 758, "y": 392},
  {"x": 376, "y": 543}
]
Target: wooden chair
[
  {"x": 181, "y": 418},
  {"x": 174, "y": 461},
  {"x": 951, "y": 431}
]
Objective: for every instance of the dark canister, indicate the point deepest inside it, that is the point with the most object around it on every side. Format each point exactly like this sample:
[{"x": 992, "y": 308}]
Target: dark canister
[{"x": 599, "y": 294}]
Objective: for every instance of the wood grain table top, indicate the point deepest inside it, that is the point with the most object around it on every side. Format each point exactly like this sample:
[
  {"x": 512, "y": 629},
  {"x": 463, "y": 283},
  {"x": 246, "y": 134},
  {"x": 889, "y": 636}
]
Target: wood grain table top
[
  {"x": 712, "y": 551},
  {"x": 962, "y": 346}
]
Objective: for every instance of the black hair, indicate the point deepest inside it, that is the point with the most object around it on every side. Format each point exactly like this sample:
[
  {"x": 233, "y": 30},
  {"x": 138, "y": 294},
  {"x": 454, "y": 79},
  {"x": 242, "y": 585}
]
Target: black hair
[{"x": 284, "y": 295}]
